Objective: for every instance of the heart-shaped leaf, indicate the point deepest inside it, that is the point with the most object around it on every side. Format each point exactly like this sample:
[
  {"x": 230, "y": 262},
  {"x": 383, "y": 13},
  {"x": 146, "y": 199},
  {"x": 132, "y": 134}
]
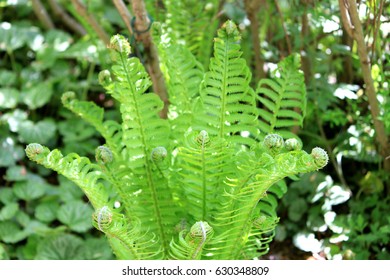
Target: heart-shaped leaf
[
  {"x": 76, "y": 215},
  {"x": 41, "y": 132}
]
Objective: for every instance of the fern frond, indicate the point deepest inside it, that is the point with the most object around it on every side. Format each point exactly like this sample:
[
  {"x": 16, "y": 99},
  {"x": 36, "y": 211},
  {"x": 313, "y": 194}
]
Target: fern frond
[
  {"x": 191, "y": 23},
  {"x": 88, "y": 176},
  {"x": 228, "y": 100},
  {"x": 280, "y": 97},
  {"x": 142, "y": 131},
  {"x": 93, "y": 114},
  {"x": 274, "y": 164},
  {"x": 126, "y": 234},
  {"x": 201, "y": 168},
  {"x": 190, "y": 244},
  {"x": 183, "y": 74}
]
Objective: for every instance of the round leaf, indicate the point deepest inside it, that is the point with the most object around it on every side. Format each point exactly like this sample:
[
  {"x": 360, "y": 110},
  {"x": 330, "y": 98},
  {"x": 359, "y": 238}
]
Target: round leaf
[
  {"x": 8, "y": 211},
  {"x": 9, "y": 152},
  {"x": 37, "y": 96},
  {"x": 16, "y": 173},
  {"x": 10, "y": 232},
  {"x": 33, "y": 188},
  {"x": 76, "y": 215},
  {"x": 8, "y": 97},
  {"x": 41, "y": 132},
  {"x": 61, "y": 247},
  {"x": 46, "y": 212}
]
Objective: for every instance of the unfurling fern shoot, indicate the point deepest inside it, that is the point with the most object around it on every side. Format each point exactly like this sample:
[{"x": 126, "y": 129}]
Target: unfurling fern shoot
[{"x": 204, "y": 183}]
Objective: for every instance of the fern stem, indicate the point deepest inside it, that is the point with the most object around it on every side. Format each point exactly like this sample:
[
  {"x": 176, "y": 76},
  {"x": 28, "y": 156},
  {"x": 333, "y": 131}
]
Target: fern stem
[
  {"x": 204, "y": 186},
  {"x": 224, "y": 93}
]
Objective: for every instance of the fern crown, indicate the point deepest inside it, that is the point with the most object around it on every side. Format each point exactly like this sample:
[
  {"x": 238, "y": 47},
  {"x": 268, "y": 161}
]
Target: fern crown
[{"x": 204, "y": 183}]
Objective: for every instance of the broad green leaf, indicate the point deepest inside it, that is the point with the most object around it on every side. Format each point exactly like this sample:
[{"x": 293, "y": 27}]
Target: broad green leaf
[
  {"x": 10, "y": 232},
  {"x": 28, "y": 251},
  {"x": 16, "y": 173},
  {"x": 22, "y": 218},
  {"x": 30, "y": 189},
  {"x": 13, "y": 37},
  {"x": 7, "y": 78},
  {"x": 8, "y": 97},
  {"x": 36, "y": 227},
  {"x": 7, "y": 195},
  {"x": 297, "y": 209},
  {"x": 76, "y": 215},
  {"x": 9, "y": 152},
  {"x": 3, "y": 253},
  {"x": 37, "y": 96},
  {"x": 47, "y": 211},
  {"x": 68, "y": 191},
  {"x": 61, "y": 247},
  {"x": 8, "y": 211},
  {"x": 40, "y": 132},
  {"x": 98, "y": 249}
]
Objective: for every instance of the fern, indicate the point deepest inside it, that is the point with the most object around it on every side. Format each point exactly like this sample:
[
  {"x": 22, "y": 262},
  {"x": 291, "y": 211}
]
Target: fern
[
  {"x": 279, "y": 96},
  {"x": 228, "y": 100},
  {"x": 203, "y": 184},
  {"x": 192, "y": 24}
]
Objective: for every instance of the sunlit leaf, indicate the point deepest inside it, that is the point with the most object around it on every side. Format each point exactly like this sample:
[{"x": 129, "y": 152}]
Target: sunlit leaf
[
  {"x": 8, "y": 97},
  {"x": 9, "y": 152}
]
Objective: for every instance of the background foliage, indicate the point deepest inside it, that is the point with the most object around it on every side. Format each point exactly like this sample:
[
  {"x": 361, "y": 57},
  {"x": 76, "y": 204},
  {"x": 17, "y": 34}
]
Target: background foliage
[{"x": 340, "y": 212}]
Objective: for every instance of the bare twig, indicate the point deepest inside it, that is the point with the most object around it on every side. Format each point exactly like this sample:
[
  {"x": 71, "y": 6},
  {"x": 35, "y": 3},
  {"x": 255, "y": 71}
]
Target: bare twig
[
  {"x": 124, "y": 13},
  {"x": 68, "y": 20},
  {"x": 343, "y": 4},
  {"x": 357, "y": 33},
  {"x": 284, "y": 27},
  {"x": 377, "y": 23},
  {"x": 252, "y": 8},
  {"x": 142, "y": 25},
  {"x": 83, "y": 12},
  {"x": 42, "y": 14}
]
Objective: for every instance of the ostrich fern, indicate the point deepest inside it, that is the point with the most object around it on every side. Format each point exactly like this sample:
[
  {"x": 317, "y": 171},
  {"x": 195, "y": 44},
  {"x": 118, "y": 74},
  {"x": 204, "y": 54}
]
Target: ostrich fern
[{"x": 204, "y": 183}]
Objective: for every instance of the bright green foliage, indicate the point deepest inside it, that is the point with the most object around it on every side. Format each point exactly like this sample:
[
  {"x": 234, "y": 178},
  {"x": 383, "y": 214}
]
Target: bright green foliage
[
  {"x": 280, "y": 96},
  {"x": 204, "y": 195},
  {"x": 192, "y": 23}
]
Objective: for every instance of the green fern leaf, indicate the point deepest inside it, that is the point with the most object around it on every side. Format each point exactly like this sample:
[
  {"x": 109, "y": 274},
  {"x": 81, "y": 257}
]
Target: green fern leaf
[
  {"x": 225, "y": 87},
  {"x": 281, "y": 97},
  {"x": 142, "y": 131}
]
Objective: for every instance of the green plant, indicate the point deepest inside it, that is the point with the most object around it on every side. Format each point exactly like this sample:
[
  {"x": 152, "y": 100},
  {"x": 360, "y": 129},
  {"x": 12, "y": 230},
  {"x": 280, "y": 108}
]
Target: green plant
[
  {"x": 35, "y": 221},
  {"x": 207, "y": 194}
]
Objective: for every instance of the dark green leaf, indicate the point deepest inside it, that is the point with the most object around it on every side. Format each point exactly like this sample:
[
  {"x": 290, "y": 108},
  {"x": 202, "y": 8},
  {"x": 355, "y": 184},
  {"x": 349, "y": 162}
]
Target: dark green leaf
[
  {"x": 7, "y": 195},
  {"x": 8, "y": 211},
  {"x": 40, "y": 132},
  {"x": 76, "y": 215},
  {"x": 61, "y": 247},
  {"x": 47, "y": 212},
  {"x": 37, "y": 95},
  {"x": 10, "y": 232},
  {"x": 16, "y": 173},
  {"x": 30, "y": 189}
]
